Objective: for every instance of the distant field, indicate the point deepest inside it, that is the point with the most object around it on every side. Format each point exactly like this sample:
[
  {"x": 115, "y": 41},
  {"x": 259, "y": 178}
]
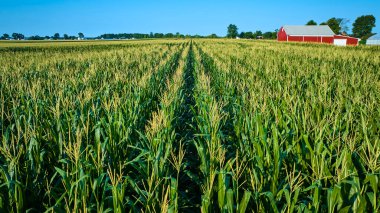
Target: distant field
[{"x": 189, "y": 126}]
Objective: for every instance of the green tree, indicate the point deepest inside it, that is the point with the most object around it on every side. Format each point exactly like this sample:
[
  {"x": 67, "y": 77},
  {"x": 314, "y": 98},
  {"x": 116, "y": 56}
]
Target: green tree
[
  {"x": 18, "y": 36},
  {"x": 311, "y": 22},
  {"x": 232, "y": 31},
  {"x": 169, "y": 35},
  {"x": 362, "y": 27},
  {"x": 212, "y": 36},
  {"x": 65, "y": 36},
  {"x": 258, "y": 33},
  {"x": 35, "y": 37},
  {"x": 56, "y": 36},
  {"x": 343, "y": 24},
  {"x": 158, "y": 35},
  {"x": 15, "y": 36},
  {"x": 247, "y": 35},
  {"x": 334, "y": 25},
  {"x": 81, "y": 35},
  {"x": 5, "y": 36},
  {"x": 270, "y": 35}
]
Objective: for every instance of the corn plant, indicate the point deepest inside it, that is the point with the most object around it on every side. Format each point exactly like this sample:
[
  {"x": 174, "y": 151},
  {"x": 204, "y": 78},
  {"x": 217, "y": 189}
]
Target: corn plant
[{"x": 208, "y": 125}]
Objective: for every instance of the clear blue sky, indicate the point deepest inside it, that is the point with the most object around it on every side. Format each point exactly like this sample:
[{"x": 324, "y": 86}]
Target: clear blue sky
[{"x": 44, "y": 17}]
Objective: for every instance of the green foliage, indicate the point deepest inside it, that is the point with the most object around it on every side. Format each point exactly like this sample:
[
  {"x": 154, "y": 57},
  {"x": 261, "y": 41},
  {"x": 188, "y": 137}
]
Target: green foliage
[
  {"x": 5, "y": 37},
  {"x": 185, "y": 126},
  {"x": 17, "y": 36},
  {"x": 212, "y": 36},
  {"x": 334, "y": 25},
  {"x": 363, "y": 42},
  {"x": 247, "y": 35},
  {"x": 362, "y": 27},
  {"x": 311, "y": 22},
  {"x": 81, "y": 35},
  {"x": 270, "y": 35},
  {"x": 56, "y": 36},
  {"x": 337, "y": 25},
  {"x": 289, "y": 155},
  {"x": 232, "y": 31}
]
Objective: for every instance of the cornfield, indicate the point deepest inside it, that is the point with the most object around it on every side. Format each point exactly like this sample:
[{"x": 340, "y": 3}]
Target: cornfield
[{"x": 189, "y": 126}]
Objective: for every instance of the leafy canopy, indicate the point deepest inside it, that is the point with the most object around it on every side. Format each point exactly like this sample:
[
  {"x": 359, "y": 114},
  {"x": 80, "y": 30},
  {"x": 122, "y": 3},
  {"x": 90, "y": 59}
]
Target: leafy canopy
[
  {"x": 232, "y": 31},
  {"x": 311, "y": 22},
  {"x": 362, "y": 27}
]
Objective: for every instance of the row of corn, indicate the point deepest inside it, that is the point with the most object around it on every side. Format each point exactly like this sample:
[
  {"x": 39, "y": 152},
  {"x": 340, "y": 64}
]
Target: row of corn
[{"x": 189, "y": 126}]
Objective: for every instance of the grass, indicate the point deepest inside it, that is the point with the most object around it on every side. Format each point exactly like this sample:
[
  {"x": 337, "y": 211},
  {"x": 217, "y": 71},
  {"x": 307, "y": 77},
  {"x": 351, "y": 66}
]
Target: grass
[{"x": 189, "y": 126}]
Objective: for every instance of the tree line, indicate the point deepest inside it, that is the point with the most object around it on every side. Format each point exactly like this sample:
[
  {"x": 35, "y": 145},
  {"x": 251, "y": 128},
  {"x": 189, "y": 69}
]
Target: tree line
[
  {"x": 361, "y": 28},
  {"x": 152, "y": 35},
  {"x": 16, "y": 36},
  {"x": 56, "y": 36},
  {"x": 139, "y": 35},
  {"x": 109, "y": 36},
  {"x": 232, "y": 32}
]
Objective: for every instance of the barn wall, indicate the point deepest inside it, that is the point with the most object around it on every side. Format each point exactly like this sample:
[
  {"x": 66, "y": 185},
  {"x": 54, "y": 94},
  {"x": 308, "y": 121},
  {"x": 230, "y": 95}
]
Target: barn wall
[
  {"x": 328, "y": 40},
  {"x": 295, "y": 38},
  {"x": 350, "y": 40},
  {"x": 353, "y": 42},
  {"x": 281, "y": 35},
  {"x": 312, "y": 39}
]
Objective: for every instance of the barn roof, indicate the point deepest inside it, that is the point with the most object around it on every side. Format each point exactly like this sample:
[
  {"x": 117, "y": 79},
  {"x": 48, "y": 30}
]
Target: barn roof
[
  {"x": 374, "y": 37},
  {"x": 322, "y": 30}
]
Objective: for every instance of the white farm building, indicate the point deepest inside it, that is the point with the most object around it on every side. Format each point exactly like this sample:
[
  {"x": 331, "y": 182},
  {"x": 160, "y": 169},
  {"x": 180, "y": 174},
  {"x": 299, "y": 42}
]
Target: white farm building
[{"x": 374, "y": 40}]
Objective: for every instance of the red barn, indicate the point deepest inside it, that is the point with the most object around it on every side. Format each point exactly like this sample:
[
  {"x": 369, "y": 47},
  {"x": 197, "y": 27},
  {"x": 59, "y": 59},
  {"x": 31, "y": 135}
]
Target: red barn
[
  {"x": 342, "y": 40},
  {"x": 316, "y": 34}
]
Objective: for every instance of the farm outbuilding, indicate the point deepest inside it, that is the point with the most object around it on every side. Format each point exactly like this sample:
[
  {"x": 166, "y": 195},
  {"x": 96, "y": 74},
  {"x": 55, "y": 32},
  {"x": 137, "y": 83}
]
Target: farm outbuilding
[
  {"x": 316, "y": 34},
  {"x": 342, "y": 40},
  {"x": 374, "y": 40}
]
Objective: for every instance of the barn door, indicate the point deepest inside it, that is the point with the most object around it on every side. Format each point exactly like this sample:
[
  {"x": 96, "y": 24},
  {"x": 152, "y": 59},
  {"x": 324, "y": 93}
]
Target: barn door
[{"x": 340, "y": 42}]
